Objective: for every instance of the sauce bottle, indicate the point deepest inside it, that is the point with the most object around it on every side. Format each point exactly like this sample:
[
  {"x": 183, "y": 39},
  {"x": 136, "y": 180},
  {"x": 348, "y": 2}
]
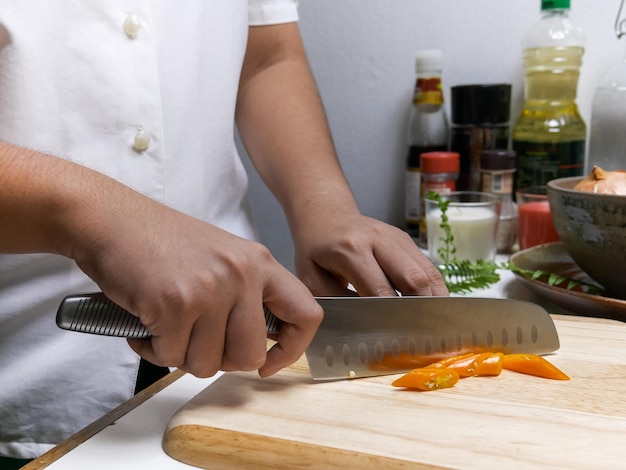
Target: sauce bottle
[{"x": 427, "y": 132}]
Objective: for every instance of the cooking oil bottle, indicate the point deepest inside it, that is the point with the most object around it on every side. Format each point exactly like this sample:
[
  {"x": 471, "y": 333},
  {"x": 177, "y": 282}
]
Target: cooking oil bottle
[{"x": 549, "y": 135}]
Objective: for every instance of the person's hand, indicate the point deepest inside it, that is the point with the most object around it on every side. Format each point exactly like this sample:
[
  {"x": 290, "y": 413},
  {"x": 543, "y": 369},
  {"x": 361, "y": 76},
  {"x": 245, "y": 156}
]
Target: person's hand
[
  {"x": 198, "y": 289},
  {"x": 378, "y": 259}
]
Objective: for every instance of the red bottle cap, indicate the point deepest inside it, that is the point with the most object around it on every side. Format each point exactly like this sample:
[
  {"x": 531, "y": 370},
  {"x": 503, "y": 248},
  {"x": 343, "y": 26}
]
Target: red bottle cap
[{"x": 440, "y": 162}]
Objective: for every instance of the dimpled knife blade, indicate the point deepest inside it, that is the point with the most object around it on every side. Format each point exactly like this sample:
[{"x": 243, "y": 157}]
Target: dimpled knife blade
[{"x": 369, "y": 336}]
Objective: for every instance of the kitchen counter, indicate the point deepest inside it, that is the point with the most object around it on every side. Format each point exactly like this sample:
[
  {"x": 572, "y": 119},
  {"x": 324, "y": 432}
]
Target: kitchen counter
[{"x": 131, "y": 436}]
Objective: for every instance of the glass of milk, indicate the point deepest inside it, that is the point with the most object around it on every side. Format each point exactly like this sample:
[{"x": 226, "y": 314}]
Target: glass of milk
[{"x": 473, "y": 219}]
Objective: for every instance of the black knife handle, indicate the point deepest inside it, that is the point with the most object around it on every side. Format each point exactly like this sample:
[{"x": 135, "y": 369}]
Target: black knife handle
[{"x": 97, "y": 314}]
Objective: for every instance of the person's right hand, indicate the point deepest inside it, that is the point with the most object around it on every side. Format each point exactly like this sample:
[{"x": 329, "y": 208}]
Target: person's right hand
[{"x": 198, "y": 289}]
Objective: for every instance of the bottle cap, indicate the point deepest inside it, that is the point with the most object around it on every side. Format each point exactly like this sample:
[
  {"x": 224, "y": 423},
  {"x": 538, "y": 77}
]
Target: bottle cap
[
  {"x": 440, "y": 162},
  {"x": 498, "y": 159},
  {"x": 429, "y": 59},
  {"x": 555, "y": 4},
  {"x": 481, "y": 104}
]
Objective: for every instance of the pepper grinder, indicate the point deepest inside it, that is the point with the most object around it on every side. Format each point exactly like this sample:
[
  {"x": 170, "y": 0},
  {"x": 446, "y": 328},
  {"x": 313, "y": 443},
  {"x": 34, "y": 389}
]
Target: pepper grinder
[{"x": 497, "y": 168}]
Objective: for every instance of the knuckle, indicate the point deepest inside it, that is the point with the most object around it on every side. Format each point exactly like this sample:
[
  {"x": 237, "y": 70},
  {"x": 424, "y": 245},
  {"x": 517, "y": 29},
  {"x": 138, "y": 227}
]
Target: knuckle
[
  {"x": 351, "y": 243},
  {"x": 262, "y": 252},
  {"x": 240, "y": 263},
  {"x": 434, "y": 274},
  {"x": 418, "y": 278},
  {"x": 317, "y": 314},
  {"x": 201, "y": 372},
  {"x": 172, "y": 359},
  {"x": 384, "y": 290},
  {"x": 422, "y": 279},
  {"x": 245, "y": 362},
  {"x": 253, "y": 363}
]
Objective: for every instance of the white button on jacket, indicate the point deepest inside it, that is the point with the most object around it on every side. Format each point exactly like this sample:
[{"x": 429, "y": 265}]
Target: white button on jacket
[
  {"x": 141, "y": 142},
  {"x": 131, "y": 25}
]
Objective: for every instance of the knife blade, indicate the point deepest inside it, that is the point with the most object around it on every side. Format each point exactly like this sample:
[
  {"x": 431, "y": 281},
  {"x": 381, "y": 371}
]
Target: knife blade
[{"x": 370, "y": 336}]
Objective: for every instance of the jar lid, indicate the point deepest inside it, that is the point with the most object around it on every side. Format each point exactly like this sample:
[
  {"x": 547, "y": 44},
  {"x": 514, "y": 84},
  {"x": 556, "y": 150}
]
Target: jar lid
[
  {"x": 481, "y": 104},
  {"x": 498, "y": 159},
  {"x": 440, "y": 162}
]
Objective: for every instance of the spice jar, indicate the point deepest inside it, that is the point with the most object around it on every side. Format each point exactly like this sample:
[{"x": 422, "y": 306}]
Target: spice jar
[
  {"x": 440, "y": 170},
  {"x": 497, "y": 170}
]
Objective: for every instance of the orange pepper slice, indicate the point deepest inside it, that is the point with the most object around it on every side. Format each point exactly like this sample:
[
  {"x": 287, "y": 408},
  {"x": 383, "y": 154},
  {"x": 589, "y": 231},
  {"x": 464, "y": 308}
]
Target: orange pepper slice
[
  {"x": 471, "y": 364},
  {"x": 403, "y": 361},
  {"x": 466, "y": 365},
  {"x": 533, "y": 364},
  {"x": 427, "y": 379},
  {"x": 450, "y": 360},
  {"x": 491, "y": 365}
]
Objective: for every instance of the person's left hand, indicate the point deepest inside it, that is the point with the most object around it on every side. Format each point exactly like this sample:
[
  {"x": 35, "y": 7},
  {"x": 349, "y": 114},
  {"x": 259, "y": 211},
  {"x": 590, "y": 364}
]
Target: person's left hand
[{"x": 378, "y": 259}]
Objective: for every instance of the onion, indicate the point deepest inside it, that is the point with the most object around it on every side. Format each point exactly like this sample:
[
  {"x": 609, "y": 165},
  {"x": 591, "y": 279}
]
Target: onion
[{"x": 604, "y": 182}]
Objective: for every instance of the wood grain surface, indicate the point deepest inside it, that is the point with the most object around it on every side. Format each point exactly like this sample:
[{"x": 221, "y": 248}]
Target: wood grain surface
[{"x": 509, "y": 421}]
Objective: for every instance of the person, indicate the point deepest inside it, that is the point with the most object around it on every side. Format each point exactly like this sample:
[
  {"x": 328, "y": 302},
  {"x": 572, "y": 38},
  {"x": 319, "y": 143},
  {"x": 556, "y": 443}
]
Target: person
[{"x": 119, "y": 173}]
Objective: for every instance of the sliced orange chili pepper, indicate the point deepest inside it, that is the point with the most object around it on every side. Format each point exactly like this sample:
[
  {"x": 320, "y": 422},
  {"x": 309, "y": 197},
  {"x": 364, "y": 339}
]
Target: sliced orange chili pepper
[
  {"x": 533, "y": 364},
  {"x": 427, "y": 379},
  {"x": 450, "y": 360},
  {"x": 491, "y": 364},
  {"x": 467, "y": 365},
  {"x": 403, "y": 361}
]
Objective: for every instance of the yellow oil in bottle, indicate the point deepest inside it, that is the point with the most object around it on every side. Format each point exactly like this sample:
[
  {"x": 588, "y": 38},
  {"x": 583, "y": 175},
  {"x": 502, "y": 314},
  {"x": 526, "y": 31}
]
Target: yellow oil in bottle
[{"x": 549, "y": 135}]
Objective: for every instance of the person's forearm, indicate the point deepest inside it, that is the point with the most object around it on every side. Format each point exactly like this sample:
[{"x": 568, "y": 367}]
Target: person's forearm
[
  {"x": 33, "y": 200},
  {"x": 47, "y": 203},
  {"x": 282, "y": 123}
]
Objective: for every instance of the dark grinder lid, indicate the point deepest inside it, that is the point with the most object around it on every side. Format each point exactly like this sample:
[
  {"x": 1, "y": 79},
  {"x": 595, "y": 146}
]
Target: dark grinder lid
[{"x": 481, "y": 104}]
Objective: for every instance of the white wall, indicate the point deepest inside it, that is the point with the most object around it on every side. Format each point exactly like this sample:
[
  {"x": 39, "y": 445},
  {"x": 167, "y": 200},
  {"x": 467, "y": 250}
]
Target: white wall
[{"x": 362, "y": 54}]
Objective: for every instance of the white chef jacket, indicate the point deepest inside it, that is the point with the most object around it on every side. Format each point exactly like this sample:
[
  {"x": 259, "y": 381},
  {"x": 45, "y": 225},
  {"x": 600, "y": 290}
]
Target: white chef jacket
[{"x": 80, "y": 80}]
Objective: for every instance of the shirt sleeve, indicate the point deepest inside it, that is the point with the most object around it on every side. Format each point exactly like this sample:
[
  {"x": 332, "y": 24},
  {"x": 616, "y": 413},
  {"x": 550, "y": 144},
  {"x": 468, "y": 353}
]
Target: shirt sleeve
[{"x": 266, "y": 12}]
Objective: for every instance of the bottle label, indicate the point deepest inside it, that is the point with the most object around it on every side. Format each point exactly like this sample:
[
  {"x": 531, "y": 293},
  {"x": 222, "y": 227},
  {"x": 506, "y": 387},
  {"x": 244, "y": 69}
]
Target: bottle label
[
  {"x": 540, "y": 162},
  {"x": 441, "y": 187},
  {"x": 428, "y": 91}
]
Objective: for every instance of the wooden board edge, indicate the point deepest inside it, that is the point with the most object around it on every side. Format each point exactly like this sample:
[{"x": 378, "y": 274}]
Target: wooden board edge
[{"x": 214, "y": 448}]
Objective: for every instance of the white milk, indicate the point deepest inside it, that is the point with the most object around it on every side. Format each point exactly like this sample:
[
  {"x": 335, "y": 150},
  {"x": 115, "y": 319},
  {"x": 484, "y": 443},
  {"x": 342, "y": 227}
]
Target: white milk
[{"x": 473, "y": 228}]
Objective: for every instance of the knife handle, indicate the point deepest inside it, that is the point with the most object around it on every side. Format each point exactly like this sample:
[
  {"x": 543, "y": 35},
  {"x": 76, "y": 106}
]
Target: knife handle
[{"x": 97, "y": 314}]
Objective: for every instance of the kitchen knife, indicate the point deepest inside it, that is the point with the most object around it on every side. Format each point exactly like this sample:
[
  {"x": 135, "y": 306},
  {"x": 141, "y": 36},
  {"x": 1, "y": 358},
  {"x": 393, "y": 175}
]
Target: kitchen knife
[{"x": 369, "y": 336}]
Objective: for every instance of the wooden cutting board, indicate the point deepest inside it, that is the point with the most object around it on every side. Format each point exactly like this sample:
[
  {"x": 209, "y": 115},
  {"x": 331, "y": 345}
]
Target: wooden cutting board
[{"x": 509, "y": 421}]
